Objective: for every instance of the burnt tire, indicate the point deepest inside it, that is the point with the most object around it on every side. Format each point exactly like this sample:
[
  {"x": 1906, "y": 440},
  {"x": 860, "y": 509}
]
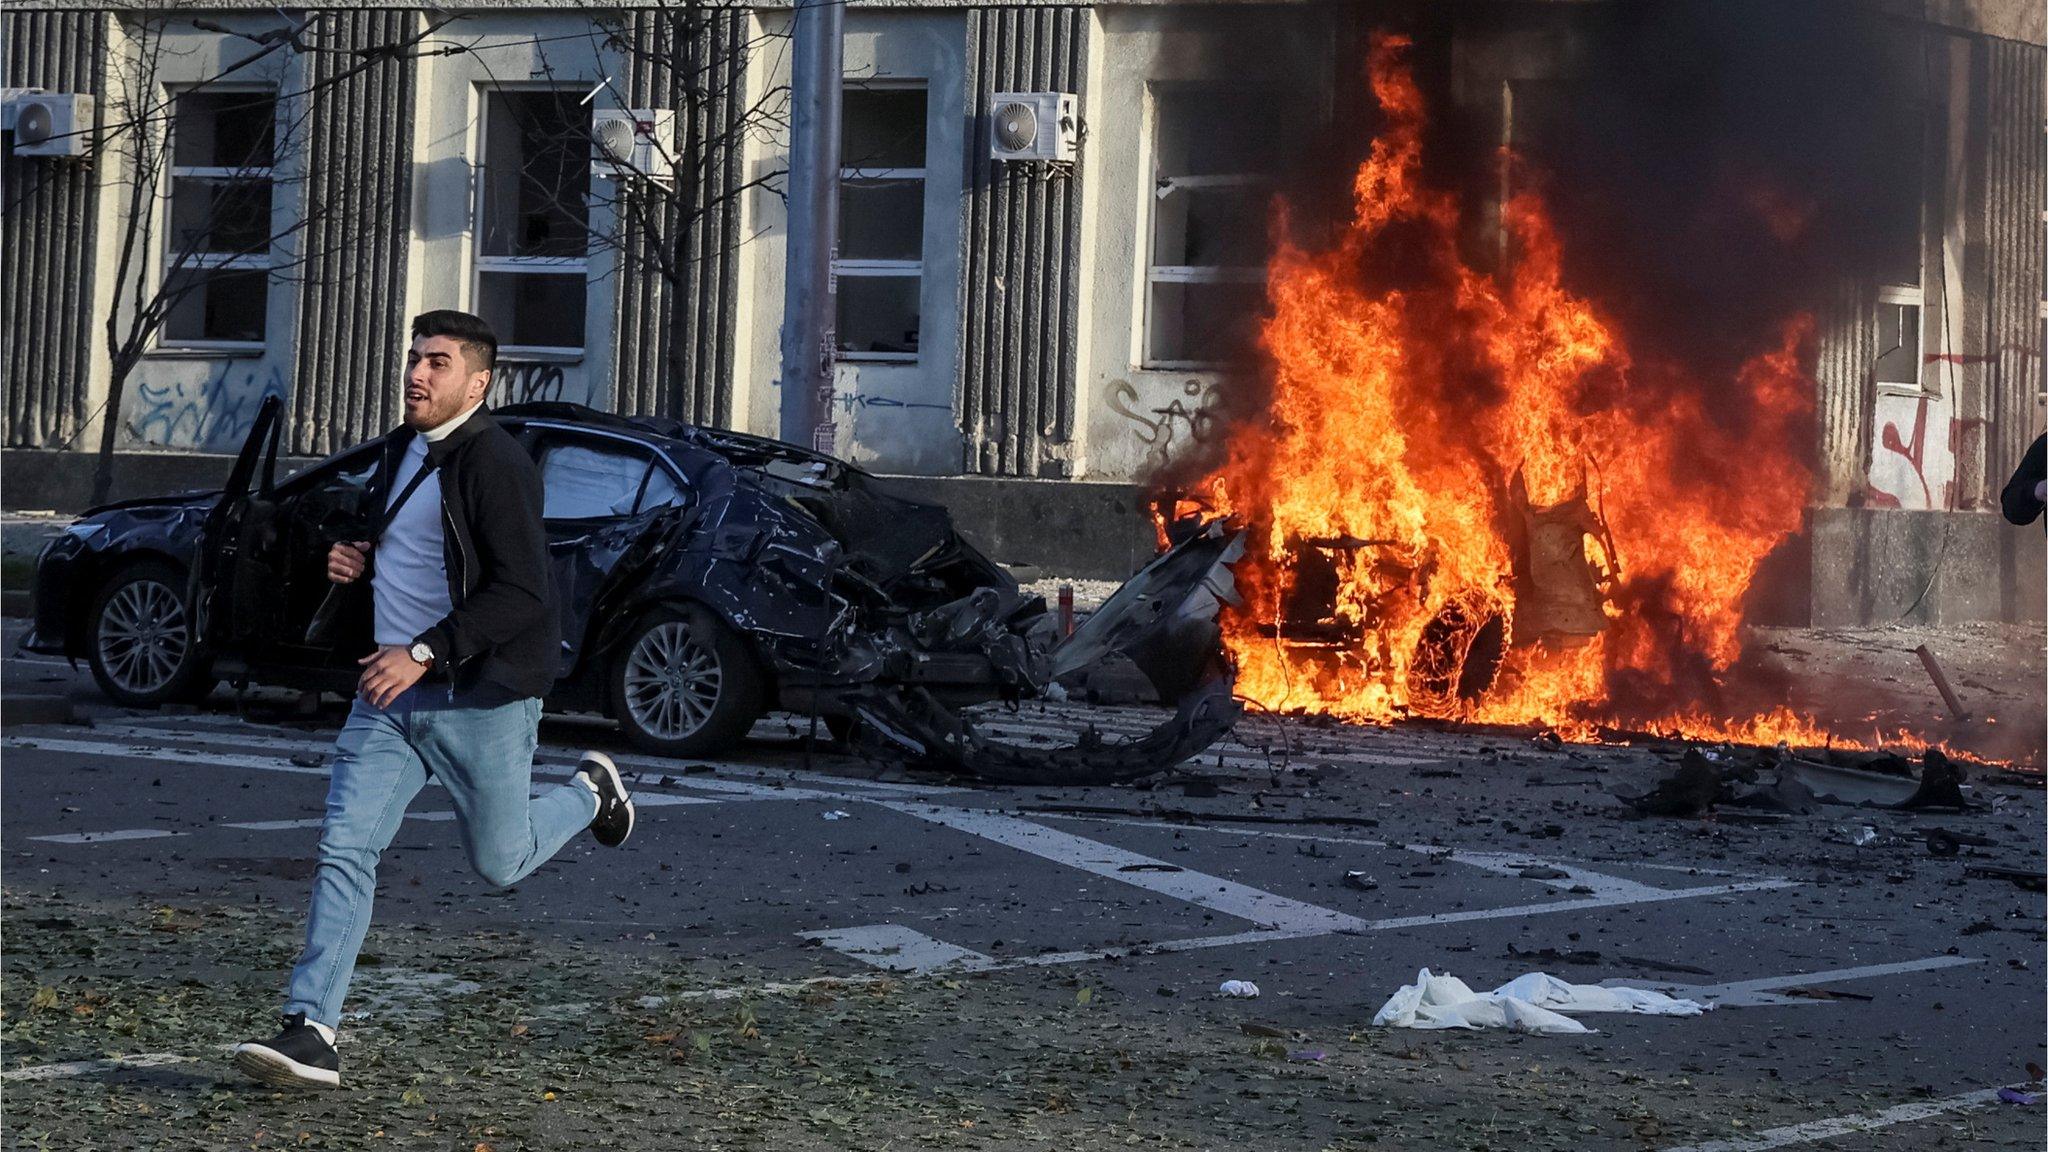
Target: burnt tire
[
  {"x": 139, "y": 639},
  {"x": 685, "y": 684}
]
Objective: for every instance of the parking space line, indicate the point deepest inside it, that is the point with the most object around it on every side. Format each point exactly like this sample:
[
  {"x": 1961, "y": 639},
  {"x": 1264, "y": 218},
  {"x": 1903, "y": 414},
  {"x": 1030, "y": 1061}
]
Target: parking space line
[
  {"x": 107, "y": 837},
  {"x": 209, "y": 758},
  {"x": 1760, "y": 993},
  {"x": 160, "y": 755},
  {"x": 1500, "y": 863},
  {"x": 236, "y": 735},
  {"x": 894, "y": 948},
  {"x": 1199, "y": 888},
  {"x": 275, "y": 825},
  {"x": 1816, "y": 1130}
]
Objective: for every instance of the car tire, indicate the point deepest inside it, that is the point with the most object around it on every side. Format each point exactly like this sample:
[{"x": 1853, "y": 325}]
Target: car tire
[
  {"x": 685, "y": 684},
  {"x": 139, "y": 641}
]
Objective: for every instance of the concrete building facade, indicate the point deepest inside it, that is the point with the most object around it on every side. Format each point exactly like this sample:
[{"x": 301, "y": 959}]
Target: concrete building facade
[{"x": 1028, "y": 341}]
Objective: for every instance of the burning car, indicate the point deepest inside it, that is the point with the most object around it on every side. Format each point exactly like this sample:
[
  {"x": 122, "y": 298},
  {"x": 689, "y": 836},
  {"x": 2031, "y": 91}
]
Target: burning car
[{"x": 704, "y": 578}]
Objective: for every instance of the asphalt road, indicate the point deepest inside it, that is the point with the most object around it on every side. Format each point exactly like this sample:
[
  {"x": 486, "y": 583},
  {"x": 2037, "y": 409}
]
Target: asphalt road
[{"x": 1867, "y": 989}]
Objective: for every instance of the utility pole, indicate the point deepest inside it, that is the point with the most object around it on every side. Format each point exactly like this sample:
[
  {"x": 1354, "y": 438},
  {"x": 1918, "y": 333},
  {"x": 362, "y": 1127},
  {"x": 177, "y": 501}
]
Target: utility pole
[{"x": 810, "y": 301}]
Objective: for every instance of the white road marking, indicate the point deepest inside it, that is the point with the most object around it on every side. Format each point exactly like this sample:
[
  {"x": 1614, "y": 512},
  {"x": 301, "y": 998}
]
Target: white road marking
[
  {"x": 897, "y": 949},
  {"x": 1816, "y": 1130},
  {"x": 320, "y": 821},
  {"x": 104, "y": 837},
  {"x": 1199, "y": 888},
  {"x": 206, "y": 758},
  {"x": 164, "y": 755},
  {"x": 1501, "y": 863},
  {"x": 275, "y": 825},
  {"x": 1761, "y": 993},
  {"x": 828, "y": 786},
  {"x": 83, "y": 1067}
]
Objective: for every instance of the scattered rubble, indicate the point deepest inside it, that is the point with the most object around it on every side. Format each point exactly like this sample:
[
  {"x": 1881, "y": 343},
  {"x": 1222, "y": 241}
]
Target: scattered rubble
[{"x": 1705, "y": 781}]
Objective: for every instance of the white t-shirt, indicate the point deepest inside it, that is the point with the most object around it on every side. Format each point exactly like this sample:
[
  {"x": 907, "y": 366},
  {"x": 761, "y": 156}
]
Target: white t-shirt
[{"x": 409, "y": 578}]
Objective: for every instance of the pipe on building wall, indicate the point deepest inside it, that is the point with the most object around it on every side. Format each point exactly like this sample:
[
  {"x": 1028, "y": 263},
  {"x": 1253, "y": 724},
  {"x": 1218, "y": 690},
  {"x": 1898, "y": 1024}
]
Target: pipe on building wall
[
  {"x": 358, "y": 185},
  {"x": 1020, "y": 276},
  {"x": 48, "y": 237},
  {"x": 677, "y": 317}
]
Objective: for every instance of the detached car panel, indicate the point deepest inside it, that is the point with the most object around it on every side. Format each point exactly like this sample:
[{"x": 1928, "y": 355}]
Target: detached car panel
[{"x": 703, "y": 577}]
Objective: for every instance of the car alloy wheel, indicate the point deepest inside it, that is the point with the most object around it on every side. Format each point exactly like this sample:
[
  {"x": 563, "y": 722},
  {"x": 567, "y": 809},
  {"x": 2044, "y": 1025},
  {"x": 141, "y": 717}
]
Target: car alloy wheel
[
  {"x": 143, "y": 637},
  {"x": 672, "y": 681}
]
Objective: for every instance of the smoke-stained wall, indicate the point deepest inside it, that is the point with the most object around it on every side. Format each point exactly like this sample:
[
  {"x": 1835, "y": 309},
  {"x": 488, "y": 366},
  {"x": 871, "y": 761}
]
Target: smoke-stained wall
[{"x": 48, "y": 238}]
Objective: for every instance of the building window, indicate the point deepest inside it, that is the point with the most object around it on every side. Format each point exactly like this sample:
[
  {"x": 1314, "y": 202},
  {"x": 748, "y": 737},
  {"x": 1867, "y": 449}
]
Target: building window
[
  {"x": 217, "y": 260},
  {"x": 880, "y": 263},
  {"x": 1214, "y": 151},
  {"x": 1898, "y": 338},
  {"x": 533, "y": 220}
]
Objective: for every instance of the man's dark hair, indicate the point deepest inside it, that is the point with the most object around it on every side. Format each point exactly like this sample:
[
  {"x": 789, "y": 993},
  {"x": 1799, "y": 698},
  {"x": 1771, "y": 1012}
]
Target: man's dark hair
[{"x": 479, "y": 343}]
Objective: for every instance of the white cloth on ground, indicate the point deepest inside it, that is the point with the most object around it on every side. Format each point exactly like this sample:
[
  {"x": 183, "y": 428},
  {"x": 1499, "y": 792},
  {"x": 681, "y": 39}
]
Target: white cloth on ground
[{"x": 1532, "y": 1003}]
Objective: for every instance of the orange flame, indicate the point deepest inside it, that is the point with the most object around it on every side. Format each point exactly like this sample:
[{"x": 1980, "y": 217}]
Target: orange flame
[{"x": 1424, "y": 413}]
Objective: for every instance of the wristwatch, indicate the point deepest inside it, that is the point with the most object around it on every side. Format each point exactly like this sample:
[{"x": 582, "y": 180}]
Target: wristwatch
[{"x": 421, "y": 654}]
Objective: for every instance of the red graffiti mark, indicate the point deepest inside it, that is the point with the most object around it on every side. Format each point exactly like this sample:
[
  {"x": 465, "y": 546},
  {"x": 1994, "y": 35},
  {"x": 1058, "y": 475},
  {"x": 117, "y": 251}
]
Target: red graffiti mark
[
  {"x": 2026, "y": 354},
  {"x": 1915, "y": 451}
]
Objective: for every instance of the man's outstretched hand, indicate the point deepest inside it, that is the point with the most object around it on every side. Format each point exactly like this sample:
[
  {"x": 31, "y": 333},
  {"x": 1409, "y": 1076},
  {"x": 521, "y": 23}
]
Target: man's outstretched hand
[
  {"x": 387, "y": 672},
  {"x": 346, "y": 563}
]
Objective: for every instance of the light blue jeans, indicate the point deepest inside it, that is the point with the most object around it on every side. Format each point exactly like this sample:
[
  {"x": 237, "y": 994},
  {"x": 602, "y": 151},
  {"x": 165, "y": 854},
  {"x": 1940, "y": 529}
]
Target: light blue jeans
[{"x": 480, "y": 747}]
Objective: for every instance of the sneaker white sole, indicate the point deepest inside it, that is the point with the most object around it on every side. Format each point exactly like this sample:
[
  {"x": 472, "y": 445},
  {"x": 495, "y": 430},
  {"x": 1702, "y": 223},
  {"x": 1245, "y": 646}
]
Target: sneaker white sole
[
  {"x": 281, "y": 1071},
  {"x": 611, "y": 771}
]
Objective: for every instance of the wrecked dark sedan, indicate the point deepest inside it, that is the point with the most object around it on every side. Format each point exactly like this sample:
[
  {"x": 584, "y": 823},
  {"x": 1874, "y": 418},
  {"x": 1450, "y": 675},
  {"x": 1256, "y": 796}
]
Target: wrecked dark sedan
[{"x": 704, "y": 578}]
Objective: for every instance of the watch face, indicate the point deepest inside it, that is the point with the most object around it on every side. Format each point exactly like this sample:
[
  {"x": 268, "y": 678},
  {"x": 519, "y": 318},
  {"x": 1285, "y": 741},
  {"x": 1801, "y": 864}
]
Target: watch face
[{"x": 422, "y": 654}]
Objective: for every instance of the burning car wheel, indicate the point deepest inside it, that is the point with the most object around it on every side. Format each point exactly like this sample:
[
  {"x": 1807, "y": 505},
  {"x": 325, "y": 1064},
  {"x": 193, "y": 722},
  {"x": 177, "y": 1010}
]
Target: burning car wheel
[
  {"x": 142, "y": 651},
  {"x": 685, "y": 684}
]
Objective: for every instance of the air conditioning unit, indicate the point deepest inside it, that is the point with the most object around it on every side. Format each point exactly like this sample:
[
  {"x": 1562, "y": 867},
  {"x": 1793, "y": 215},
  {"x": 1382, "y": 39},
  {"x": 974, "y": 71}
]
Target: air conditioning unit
[
  {"x": 9, "y": 99},
  {"x": 52, "y": 124},
  {"x": 633, "y": 143},
  {"x": 1034, "y": 126}
]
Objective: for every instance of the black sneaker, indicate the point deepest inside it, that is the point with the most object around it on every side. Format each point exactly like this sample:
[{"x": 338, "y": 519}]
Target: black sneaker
[
  {"x": 297, "y": 1058},
  {"x": 614, "y": 819}
]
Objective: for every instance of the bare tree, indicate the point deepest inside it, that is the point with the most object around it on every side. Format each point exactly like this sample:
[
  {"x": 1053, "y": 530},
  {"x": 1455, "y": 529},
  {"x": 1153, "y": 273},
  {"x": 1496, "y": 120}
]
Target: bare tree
[
  {"x": 692, "y": 57},
  {"x": 201, "y": 168}
]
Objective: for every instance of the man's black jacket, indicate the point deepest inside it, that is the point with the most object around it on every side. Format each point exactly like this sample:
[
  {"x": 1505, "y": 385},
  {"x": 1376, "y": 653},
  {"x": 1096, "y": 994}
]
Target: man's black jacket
[
  {"x": 504, "y": 628},
  {"x": 2018, "y": 501}
]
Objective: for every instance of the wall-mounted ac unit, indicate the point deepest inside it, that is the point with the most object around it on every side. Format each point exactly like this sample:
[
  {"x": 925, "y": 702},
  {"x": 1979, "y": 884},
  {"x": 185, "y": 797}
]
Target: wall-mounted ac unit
[
  {"x": 51, "y": 124},
  {"x": 1033, "y": 126},
  {"x": 9, "y": 98},
  {"x": 633, "y": 143}
]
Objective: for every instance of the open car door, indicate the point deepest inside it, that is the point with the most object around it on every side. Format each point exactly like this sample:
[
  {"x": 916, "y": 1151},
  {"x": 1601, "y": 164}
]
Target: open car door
[{"x": 225, "y": 564}]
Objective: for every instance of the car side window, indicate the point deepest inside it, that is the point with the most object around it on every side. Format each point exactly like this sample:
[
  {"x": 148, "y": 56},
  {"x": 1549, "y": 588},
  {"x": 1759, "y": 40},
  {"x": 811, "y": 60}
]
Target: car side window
[
  {"x": 594, "y": 480},
  {"x": 337, "y": 486}
]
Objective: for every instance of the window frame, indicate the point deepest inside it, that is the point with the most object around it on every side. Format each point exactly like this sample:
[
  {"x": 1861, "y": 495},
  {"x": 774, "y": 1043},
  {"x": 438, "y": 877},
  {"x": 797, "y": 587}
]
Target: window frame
[
  {"x": 482, "y": 265},
  {"x": 1156, "y": 189},
  {"x": 881, "y": 269},
  {"x": 1907, "y": 296},
  {"x": 204, "y": 262}
]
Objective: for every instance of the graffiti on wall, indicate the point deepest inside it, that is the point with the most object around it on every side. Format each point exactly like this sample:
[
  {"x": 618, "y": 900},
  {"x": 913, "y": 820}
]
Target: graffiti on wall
[
  {"x": 210, "y": 415},
  {"x": 850, "y": 402},
  {"x": 1919, "y": 437},
  {"x": 1185, "y": 421},
  {"x": 526, "y": 382}
]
